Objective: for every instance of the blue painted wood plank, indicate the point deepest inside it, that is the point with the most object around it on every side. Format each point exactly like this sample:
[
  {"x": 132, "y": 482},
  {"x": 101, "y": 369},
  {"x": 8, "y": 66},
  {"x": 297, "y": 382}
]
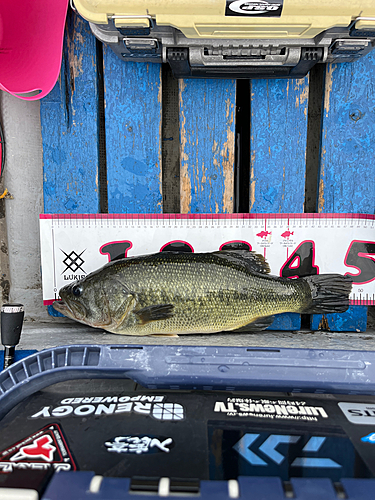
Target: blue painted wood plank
[
  {"x": 18, "y": 355},
  {"x": 348, "y": 138},
  {"x": 347, "y": 170},
  {"x": 207, "y": 124},
  {"x": 286, "y": 322},
  {"x": 353, "y": 320},
  {"x": 278, "y": 145},
  {"x": 69, "y": 120},
  {"x": 278, "y": 148},
  {"x": 133, "y": 135}
]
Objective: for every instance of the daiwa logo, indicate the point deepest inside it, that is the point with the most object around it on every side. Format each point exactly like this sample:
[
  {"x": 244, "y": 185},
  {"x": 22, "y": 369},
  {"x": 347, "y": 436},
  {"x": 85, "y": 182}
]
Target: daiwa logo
[
  {"x": 248, "y": 447},
  {"x": 254, "y": 7}
]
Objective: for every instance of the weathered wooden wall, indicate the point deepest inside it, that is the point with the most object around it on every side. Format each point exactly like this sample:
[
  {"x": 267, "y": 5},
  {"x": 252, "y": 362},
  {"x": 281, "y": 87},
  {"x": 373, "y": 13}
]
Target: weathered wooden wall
[{"x": 103, "y": 138}]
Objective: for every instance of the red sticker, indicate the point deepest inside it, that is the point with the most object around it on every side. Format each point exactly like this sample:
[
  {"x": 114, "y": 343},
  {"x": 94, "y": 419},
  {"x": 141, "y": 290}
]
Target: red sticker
[{"x": 44, "y": 449}]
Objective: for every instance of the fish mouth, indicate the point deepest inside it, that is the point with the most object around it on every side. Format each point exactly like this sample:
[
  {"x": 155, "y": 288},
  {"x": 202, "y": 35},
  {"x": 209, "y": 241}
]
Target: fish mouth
[
  {"x": 61, "y": 307},
  {"x": 74, "y": 311},
  {"x": 78, "y": 313}
]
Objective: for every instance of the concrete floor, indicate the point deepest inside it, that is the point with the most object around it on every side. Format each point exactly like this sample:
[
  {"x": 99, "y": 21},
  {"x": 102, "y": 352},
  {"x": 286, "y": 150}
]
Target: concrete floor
[{"x": 39, "y": 336}]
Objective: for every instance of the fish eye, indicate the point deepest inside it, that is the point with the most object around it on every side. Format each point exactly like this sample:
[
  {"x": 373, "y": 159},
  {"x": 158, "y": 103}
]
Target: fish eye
[{"x": 77, "y": 290}]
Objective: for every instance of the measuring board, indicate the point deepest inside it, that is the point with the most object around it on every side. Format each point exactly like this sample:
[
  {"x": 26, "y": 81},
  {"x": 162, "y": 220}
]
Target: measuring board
[{"x": 293, "y": 244}]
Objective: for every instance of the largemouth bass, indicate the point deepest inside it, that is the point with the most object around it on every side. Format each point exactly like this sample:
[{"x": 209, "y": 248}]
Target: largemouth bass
[{"x": 181, "y": 293}]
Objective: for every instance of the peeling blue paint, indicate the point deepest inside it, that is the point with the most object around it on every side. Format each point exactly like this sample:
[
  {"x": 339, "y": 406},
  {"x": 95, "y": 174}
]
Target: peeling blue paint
[
  {"x": 278, "y": 146},
  {"x": 348, "y": 139},
  {"x": 133, "y": 142},
  {"x": 270, "y": 195},
  {"x": 347, "y": 160},
  {"x": 207, "y": 114},
  {"x": 70, "y": 206},
  {"x": 69, "y": 127},
  {"x": 353, "y": 320}
]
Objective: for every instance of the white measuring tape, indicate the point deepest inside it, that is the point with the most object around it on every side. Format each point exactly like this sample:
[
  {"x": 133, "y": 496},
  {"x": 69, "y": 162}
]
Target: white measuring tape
[{"x": 293, "y": 244}]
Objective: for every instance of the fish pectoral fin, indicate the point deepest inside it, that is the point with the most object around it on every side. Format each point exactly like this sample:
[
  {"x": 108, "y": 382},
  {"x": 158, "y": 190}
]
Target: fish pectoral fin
[
  {"x": 154, "y": 313},
  {"x": 256, "y": 326}
]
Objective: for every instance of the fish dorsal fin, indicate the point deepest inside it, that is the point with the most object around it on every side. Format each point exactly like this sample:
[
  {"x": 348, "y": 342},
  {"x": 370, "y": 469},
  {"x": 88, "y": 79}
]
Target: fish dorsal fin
[{"x": 254, "y": 262}]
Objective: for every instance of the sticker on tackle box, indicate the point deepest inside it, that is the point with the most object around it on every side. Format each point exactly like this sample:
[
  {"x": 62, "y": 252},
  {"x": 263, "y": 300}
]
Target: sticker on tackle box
[
  {"x": 147, "y": 405},
  {"x": 359, "y": 413},
  {"x": 41, "y": 450},
  {"x": 254, "y": 8},
  {"x": 270, "y": 409},
  {"x": 268, "y": 451}
]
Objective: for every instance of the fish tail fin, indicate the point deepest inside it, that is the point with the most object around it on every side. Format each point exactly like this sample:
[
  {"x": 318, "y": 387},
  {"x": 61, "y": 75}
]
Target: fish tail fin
[{"x": 329, "y": 293}]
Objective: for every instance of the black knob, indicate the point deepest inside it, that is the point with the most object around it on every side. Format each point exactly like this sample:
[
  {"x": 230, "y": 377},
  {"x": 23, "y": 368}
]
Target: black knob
[{"x": 11, "y": 327}]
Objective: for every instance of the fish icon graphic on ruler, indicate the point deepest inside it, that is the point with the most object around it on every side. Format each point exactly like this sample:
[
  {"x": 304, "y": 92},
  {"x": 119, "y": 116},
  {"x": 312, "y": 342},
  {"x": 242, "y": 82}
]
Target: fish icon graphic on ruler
[
  {"x": 264, "y": 234},
  {"x": 268, "y": 449},
  {"x": 287, "y": 234}
]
